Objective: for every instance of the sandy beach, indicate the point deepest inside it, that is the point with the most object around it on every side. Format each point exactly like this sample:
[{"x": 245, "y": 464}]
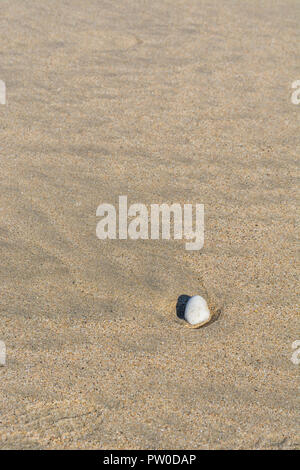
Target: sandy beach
[{"x": 169, "y": 101}]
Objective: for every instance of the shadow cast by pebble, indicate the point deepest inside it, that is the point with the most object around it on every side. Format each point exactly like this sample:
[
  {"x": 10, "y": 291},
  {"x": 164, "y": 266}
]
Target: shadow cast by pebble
[{"x": 180, "y": 306}]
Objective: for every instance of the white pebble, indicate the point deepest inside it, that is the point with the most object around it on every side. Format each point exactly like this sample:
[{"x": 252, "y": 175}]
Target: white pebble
[{"x": 196, "y": 310}]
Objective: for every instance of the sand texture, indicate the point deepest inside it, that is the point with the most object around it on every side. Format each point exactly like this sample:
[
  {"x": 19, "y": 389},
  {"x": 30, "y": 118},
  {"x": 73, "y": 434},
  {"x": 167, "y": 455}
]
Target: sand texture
[{"x": 164, "y": 101}]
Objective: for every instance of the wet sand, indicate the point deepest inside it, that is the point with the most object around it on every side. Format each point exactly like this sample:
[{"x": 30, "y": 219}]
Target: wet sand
[{"x": 184, "y": 101}]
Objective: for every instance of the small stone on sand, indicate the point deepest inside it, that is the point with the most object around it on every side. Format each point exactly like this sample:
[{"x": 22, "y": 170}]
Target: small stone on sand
[{"x": 196, "y": 310}]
